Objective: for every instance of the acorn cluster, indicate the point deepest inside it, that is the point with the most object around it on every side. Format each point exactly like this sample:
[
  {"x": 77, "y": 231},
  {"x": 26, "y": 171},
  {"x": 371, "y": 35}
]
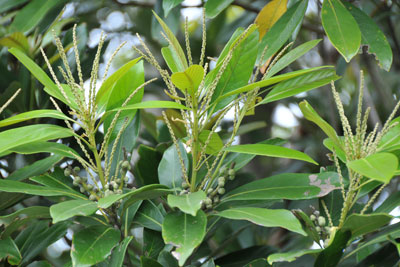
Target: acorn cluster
[
  {"x": 114, "y": 186},
  {"x": 321, "y": 226},
  {"x": 213, "y": 194}
]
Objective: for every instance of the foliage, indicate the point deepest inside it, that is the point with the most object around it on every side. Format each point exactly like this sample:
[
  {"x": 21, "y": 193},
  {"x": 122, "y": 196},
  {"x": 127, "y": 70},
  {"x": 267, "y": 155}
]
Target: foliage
[{"x": 126, "y": 187}]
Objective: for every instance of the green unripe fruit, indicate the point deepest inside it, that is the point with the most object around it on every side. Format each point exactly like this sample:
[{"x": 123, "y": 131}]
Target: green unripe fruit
[
  {"x": 328, "y": 229},
  {"x": 221, "y": 191},
  {"x": 118, "y": 181},
  {"x": 231, "y": 172},
  {"x": 209, "y": 206},
  {"x": 318, "y": 229},
  {"x": 312, "y": 217},
  {"x": 231, "y": 177},
  {"x": 67, "y": 172},
  {"x": 78, "y": 179},
  {"x": 209, "y": 191},
  {"x": 316, "y": 213},
  {"x": 75, "y": 183},
  {"x": 126, "y": 179},
  {"x": 126, "y": 165},
  {"x": 221, "y": 184},
  {"x": 223, "y": 170},
  {"x": 107, "y": 187},
  {"x": 216, "y": 199},
  {"x": 108, "y": 193},
  {"x": 208, "y": 201},
  {"x": 77, "y": 169},
  {"x": 119, "y": 191},
  {"x": 92, "y": 197},
  {"x": 114, "y": 184},
  {"x": 321, "y": 221},
  {"x": 89, "y": 187},
  {"x": 82, "y": 190}
]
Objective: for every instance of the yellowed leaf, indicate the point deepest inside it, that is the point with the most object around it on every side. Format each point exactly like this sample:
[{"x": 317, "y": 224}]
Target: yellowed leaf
[{"x": 270, "y": 13}]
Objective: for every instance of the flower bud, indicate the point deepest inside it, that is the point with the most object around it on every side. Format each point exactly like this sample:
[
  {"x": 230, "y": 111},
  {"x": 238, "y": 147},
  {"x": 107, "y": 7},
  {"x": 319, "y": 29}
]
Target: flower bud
[
  {"x": 209, "y": 191},
  {"x": 67, "y": 171},
  {"x": 312, "y": 217},
  {"x": 77, "y": 169},
  {"x": 126, "y": 165},
  {"x": 208, "y": 201},
  {"x": 92, "y": 197},
  {"x": 222, "y": 170},
  {"x": 216, "y": 199},
  {"x": 318, "y": 229},
  {"x": 231, "y": 172},
  {"x": 321, "y": 221},
  {"x": 89, "y": 187},
  {"x": 221, "y": 191},
  {"x": 82, "y": 189}
]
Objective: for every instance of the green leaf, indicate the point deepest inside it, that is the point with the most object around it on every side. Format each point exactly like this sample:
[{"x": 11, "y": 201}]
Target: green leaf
[
  {"x": 341, "y": 28},
  {"x": 265, "y": 217},
  {"x": 380, "y": 166},
  {"x": 47, "y": 147},
  {"x": 391, "y": 140},
  {"x": 185, "y": 232},
  {"x": 291, "y": 255},
  {"x": 361, "y": 224},
  {"x": 152, "y": 104},
  {"x": 144, "y": 192},
  {"x": 153, "y": 243},
  {"x": 170, "y": 169},
  {"x": 118, "y": 254},
  {"x": 311, "y": 115},
  {"x": 170, "y": 4},
  {"x": 301, "y": 84},
  {"x": 282, "y": 30},
  {"x": 271, "y": 151},
  {"x": 269, "y": 14},
  {"x": 105, "y": 90},
  {"x": 9, "y": 250},
  {"x": 270, "y": 81},
  {"x": 328, "y": 143},
  {"x": 169, "y": 56},
  {"x": 17, "y": 40},
  {"x": 373, "y": 37},
  {"x": 129, "y": 214},
  {"x": 332, "y": 254},
  {"x": 30, "y": 16},
  {"x": 30, "y": 189},
  {"x": 188, "y": 203},
  {"x": 31, "y": 212},
  {"x": 68, "y": 209},
  {"x": 291, "y": 56},
  {"x": 188, "y": 80},
  {"x": 239, "y": 69},
  {"x": 5, "y": 5},
  {"x": 174, "y": 44},
  {"x": 149, "y": 216},
  {"x": 32, "y": 133},
  {"x": 214, "y": 145},
  {"x": 214, "y": 7},
  {"x": 149, "y": 262},
  {"x": 389, "y": 204},
  {"x": 286, "y": 186},
  {"x": 42, "y": 113},
  {"x": 93, "y": 245}
]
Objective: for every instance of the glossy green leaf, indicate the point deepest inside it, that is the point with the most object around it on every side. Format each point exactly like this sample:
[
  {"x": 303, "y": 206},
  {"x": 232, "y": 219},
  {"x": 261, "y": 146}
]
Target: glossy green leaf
[
  {"x": 286, "y": 186},
  {"x": 47, "y": 147},
  {"x": 214, "y": 144},
  {"x": 328, "y": 143},
  {"x": 93, "y": 245},
  {"x": 68, "y": 209},
  {"x": 301, "y": 84},
  {"x": 188, "y": 203},
  {"x": 30, "y": 16},
  {"x": 56, "y": 179},
  {"x": 270, "y": 81},
  {"x": 239, "y": 69},
  {"x": 311, "y": 115},
  {"x": 149, "y": 262},
  {"x": 170, "y": 169},
  {"x": 30, "y": 189},
  {"x": 265, "y": 217},
  {"x": 174, "y": 44},
  {"x": 144, "y": 192},
  {"x": 332, "y": 254},
  {"x": 389, "y": 204},
  {"x": 32, "y": 212},
  {"x": 32, "y": 133},
  {"x": 214, "y": 7},
  {"x": 149, "y": 216},
  {"x": 9, "y": 250},
  {"x": 291, "y": 255},
  {"x": 185, "y": 232},
  {"x": 42, "y": 113},
  {"x": 341, "y": 28},
  {"x": 170, "y": 4},
  {"x": 167, "y": 260},
  {"x": 282, "y": 30},
  {"x": 372, "y": 36},
  {"x": 17, "y": 40},
  {"x": 361, "y": 224},
  {"x": 391, "y": 140},
  {"x": 169, "y": 56},
  {"x": 271, "y": 151},
  {"x": 105, "y": 90},
  {"x": 291, "y": 56},
  {"x": 188, "y": 80},
  {"x": 118, "y": 254},
  {"x": 380, "y": 166},
  {"x": 153, "y": 243}
]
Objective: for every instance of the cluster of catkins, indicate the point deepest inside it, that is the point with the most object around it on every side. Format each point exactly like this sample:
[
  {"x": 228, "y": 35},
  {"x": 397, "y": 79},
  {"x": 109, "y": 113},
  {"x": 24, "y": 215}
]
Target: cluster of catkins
[
  {"x": 323, "y": 230},
  {"x": 114, "y": 186}
]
